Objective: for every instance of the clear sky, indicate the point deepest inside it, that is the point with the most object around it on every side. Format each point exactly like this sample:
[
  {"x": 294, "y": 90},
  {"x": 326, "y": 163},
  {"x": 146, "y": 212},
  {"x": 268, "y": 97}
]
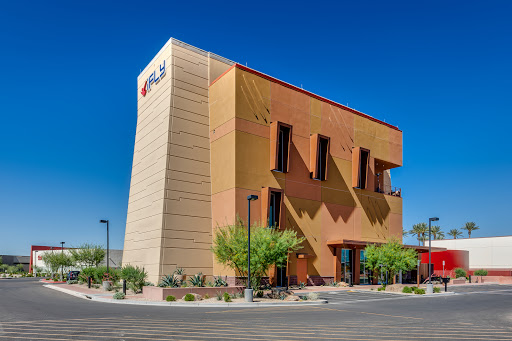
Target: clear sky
[{"x": 439, "y": 70}]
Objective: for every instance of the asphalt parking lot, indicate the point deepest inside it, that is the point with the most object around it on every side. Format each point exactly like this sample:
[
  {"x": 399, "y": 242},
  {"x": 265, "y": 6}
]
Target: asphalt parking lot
[{"x": 29, "y": 311}]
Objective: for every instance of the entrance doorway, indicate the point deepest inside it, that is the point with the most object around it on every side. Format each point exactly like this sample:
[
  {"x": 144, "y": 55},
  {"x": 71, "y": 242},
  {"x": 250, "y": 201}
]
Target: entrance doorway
[{"x": 346, "y": 266}]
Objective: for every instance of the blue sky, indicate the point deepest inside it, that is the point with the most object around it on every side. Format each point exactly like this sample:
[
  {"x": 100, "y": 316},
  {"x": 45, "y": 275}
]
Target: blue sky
[{"x": 439, "y": 70}]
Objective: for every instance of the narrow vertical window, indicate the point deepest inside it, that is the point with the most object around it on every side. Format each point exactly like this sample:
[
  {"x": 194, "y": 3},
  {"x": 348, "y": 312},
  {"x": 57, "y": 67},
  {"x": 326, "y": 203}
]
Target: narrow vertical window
[
  {"x": 319, "y": 156},
  {"x": 280, "y": 140},
  {"x": 272, "y": 205},
  {"x": 360, "y": 167}
]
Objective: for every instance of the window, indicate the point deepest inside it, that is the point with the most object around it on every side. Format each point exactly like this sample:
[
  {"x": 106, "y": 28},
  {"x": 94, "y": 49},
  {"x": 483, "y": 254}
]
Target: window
[
  {"x": 272, "y": 206},
  {"x": 319, "y": 156},
  {"x": 360, "y": 167},
  {"x": 280, "y": 140}
]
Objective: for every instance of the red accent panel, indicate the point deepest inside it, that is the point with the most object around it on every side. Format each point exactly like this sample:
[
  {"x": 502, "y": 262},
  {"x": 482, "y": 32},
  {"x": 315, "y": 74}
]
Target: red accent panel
[{"x": 453, "y": 259}]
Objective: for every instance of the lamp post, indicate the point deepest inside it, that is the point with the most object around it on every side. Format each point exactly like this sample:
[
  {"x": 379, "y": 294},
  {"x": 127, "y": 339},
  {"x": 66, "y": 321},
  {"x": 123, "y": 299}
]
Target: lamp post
[
  {"x": 106, "y": 222},
  {"x": 249, "y": 292},
  {"x": 62, "y": 266},
  {"x": 430, "y": 287}
]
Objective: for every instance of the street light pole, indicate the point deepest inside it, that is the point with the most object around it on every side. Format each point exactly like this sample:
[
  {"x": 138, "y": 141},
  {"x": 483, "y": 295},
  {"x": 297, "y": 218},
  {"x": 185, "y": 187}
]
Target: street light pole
[
  {"x": 103, "y": 222},
  {"x": 62, "y": 265},
  {"x": 249, "y": 292},
  {"x": 430, "y": 288}
]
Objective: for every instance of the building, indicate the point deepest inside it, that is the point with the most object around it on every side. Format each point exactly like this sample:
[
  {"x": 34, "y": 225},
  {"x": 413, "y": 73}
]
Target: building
[
  {"x": 493, "y": 254},
  {"x": 15, "y": 260},
  {"x": 210, "y": 132},
  {"x": 37, "y": 252}
]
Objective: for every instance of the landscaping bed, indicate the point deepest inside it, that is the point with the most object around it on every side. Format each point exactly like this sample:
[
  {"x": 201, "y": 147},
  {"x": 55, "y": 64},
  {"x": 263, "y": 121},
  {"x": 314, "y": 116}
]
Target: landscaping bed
[{"x": 160, "y": 294}]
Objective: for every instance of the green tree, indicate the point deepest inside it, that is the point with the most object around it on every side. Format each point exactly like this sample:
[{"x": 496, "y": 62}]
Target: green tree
[
  {"x": 57, "y": 260},
  {"x": 440, "y": 235},
  {"x": 435, "y": 230},
  {"x": 1, "y": 263},
  {"x": 470, "y": 227},
  {"x": 269, "y": 247},
  {"x": 419, "y": 230},
  {"x": 454, "y": 233},
  {"x": 392, "y": 256},
  {"x": 4, "y": 267},
  {"x": 88, "y": 255},
  {"x": 405, "y": 233},
  {"x": 20, "y": 268}
]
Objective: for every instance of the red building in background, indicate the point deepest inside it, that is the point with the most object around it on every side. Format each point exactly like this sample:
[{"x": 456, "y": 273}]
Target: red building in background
[{"x": 452, "y": 259}]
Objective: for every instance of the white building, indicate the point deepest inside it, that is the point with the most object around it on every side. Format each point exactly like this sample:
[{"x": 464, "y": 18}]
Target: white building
[{"x": 484, "y": 253}]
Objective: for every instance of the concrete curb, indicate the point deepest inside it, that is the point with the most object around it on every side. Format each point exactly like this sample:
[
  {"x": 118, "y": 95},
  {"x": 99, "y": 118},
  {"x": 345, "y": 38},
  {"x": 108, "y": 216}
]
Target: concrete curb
[{"x": 99, "y": 298}]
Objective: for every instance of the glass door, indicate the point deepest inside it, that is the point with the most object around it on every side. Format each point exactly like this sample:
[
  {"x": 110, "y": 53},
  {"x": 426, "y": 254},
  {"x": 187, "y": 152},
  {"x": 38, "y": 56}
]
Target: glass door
[
  {"x": 364, "y": 272},
  {"x": 346, "y": 265}
]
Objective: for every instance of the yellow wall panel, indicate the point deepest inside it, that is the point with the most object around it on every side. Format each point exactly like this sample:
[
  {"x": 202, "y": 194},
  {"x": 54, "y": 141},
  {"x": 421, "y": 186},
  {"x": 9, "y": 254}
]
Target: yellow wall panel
[
  {"x": 252, "y": 98},
  {"x": 223, "y": 163},
  {"x": 222, "y": 100},
  {"x": 252, "y": 163}
]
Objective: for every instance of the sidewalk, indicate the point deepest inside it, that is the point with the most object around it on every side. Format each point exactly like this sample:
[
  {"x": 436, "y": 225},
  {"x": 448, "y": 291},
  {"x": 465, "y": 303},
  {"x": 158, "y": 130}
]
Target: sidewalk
[{"x": 90, "y": 294}]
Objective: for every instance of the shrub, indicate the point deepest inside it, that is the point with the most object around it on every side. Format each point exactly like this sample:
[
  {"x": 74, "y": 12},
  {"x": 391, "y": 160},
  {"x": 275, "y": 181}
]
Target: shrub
[
  {"x": 219, "y": 282},
  {"x": 219, "y": 296},
  {"x": 118, "y": 296},
  {"x": 189, "y": 297},
  {"x": 459, "y": 272},
  {"x": 382, "y": 288},
  {"x": 169, "y": 282},
  {"x": 170, "y": 298},
  {"x": 134, "y": 276},
  {"x": 480, "y": 272},
  {"x": 179, "y": 271},
  {"x": 437, "y": 290},
  {"x": 197, "y": 280},
  {"x": 312, "y": 296},
  {"x": 259, "y": 293},
  {"x": 302, "y": 285},
  {"x": 149, "y": 284},
  {"x": 419, "y": 291},
  {"x": 227, "y": 297},
  {"x": 407, "y": 290},
  {"x": 184, "y": 285},
  {"x": 73, "y": 281},
  {"x": 206, "y": 296}
]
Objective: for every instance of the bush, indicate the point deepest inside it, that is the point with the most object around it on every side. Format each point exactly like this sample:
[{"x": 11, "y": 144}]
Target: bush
[
  {"x": 419, "y": 291},
  {"x": 407, "y": 290},
  {"x": 437, "y": 290},
  {"x": 169, "y": 282},
  {"x": 170, "y": 298},
  {"x": 73, "y": 281},
  {"x": 227, "y": 297},
  {"x": 118, "y": 296},
  {"x": 197, "y": 280},
  {"x": 312, "y": 296},
  {"x": 259, "y": 293},
  {"x": 189, "y": 297},
  {"x": 206, "y": 296},
  {"x": 480, "y": 272},
  {"x": 134, "y": 276},
  {"x": 382, "y": 288},
  {"x": 219, "y": 282},
  {"x": 459, "y": 272},
  {"x": 219, "y": 296}
]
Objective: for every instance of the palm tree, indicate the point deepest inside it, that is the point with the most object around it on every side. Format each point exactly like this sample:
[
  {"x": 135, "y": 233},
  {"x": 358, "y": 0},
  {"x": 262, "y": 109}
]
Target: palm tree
[
  {"x": 435, "y": 231},
  {"x": 419, "y": 230},
  {"x": 405, "y": 233},
  {"x": 440, "y": 235},
  {"x": 470, "y": 227},
  {"x": 455, "y": 233}
]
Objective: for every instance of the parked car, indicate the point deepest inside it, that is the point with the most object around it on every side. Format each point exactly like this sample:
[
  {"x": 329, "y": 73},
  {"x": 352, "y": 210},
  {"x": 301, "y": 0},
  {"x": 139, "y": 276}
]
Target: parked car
[{"x": 72, "y": 275}]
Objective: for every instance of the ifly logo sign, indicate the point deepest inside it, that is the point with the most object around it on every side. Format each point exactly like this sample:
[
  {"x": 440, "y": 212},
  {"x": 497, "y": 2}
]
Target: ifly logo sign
[{"x": 153, "y": 79}]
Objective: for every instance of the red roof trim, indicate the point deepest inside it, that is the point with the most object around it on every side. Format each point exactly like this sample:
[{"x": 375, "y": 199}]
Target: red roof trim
[
  {"x": 323, "y": 99},
  {"x": 216, "y": 79}
]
